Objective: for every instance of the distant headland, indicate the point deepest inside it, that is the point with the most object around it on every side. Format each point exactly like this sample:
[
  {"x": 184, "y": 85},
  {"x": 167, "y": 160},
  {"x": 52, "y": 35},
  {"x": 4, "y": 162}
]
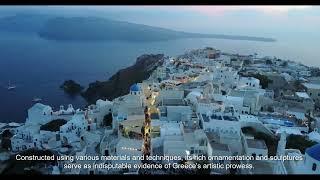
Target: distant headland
[{"x": 96, "y": 29}]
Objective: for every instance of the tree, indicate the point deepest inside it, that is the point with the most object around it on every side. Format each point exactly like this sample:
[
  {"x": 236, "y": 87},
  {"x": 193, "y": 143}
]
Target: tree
[
  {"x": 271, "y": 142},
  {"x": 299, "y": 142},
  {"x": 264, "y": 80},
  {"x": 298, "y": 85}
]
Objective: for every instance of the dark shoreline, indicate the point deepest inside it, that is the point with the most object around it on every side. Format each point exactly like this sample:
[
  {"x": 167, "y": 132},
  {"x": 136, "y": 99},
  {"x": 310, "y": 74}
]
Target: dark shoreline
[{"x": 119, "y": 83}]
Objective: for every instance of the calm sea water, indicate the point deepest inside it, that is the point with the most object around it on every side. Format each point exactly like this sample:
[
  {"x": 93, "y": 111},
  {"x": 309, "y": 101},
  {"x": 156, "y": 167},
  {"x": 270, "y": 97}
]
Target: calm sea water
[{"x": 38, "y": 67}]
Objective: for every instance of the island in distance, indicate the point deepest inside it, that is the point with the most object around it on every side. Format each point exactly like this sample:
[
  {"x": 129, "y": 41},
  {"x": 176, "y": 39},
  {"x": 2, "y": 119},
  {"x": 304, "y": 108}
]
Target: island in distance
[
  {"x": 71, "y": 87},
  {"x": 95, "y": 29}
]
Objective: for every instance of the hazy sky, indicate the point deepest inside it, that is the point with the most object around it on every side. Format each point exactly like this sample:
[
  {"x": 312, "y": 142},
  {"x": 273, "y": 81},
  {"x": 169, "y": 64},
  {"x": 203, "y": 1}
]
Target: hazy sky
[{"x": 269, "y": 21}]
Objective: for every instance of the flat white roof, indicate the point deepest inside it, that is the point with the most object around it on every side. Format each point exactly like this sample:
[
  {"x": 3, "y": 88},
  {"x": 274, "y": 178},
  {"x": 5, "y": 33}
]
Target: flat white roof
[
  {"x": 311, "y": 85},
  {"x": 3, "y": 125},
  {"x": 256, "y": 143},
  {"x": 174, "y": 148},
  {"x": 13, "y": 124},
  {"x": 302, "y": 95},
  {"x": 289, "y": 130},
  {"x": 315, "y": 136}
]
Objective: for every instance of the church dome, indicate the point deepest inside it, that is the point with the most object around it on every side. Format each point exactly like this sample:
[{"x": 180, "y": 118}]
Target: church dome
[
  {"x": 314, "y": 152},
  {"x": 134, "y": 87}
]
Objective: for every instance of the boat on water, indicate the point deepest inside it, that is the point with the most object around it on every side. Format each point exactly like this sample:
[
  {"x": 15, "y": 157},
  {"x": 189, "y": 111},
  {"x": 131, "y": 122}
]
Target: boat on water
[
  {"x": 10, "y": 86},
  {"x": 36, "y": 99}
]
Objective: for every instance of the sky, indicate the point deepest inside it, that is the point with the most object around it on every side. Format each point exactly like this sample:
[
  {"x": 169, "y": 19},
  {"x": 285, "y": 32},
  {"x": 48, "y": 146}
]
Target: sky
[{"x": 266, "y": 21}]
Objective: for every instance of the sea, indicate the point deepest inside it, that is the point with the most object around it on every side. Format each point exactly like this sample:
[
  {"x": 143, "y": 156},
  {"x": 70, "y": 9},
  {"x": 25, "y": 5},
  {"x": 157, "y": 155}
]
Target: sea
[{"x": 38, "y": 67}]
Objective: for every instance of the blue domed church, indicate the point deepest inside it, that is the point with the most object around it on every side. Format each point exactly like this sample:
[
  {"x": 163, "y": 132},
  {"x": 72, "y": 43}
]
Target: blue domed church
[
  {"x": 312, "y": 159},
  {"x": 129, "y": 105},
  {"x": 308, "y": 164},
  {"x": 135, "y": 90}
]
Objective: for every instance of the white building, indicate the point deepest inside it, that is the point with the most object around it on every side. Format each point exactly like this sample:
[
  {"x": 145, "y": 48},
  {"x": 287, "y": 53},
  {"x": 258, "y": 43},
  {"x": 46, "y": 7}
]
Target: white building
[
  {"x": 174, "y": 146},
  {"x": 249, "y": 82},
  {"x": 74, "y": 129},
  {"x": 39, "y": 114},
  {"x": 164, "y": 129},
  {"x": 252, "y": 98},
  {"x": 97, "y": 112},
  {"x": 26, "y": 137},
  {"x": 196, "y": 141},
  {"x": 130, "y": 148},
  {"x": 218, "y": 149},
  {"x": 226, "y": 76},
  {"x": 255, "y": 147},
  {"x": 313, "y": 91},
  {"x": 131, "y": 104},
  {"x": 209, "y": 105},
  {"x": 170, "y": 94},
  {"x": 228, "y": 128},
  {"x": 237, "y": 102}
]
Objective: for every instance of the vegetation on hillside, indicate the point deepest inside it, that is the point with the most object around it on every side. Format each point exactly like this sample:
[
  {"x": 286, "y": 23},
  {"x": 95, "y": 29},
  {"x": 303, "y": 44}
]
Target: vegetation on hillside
[
  {"x": 299, "y": 142},
  {"x": 264, "y": 80},
  {"x": 53, "y": 125},
  {"x": 71, "y": 87},
  {"x": 271, "y": 142},
  {"x": 5, "y": 139},
  {"x": 119, "y": 84}
]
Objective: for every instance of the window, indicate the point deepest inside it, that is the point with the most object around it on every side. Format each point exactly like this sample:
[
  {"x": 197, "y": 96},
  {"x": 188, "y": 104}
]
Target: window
[
  {"x": 192, "y": 150},
  {"x": 254, "y": 155},
  {"x": 106, "y": 152},
  {"x": 314, "y": 167}
]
